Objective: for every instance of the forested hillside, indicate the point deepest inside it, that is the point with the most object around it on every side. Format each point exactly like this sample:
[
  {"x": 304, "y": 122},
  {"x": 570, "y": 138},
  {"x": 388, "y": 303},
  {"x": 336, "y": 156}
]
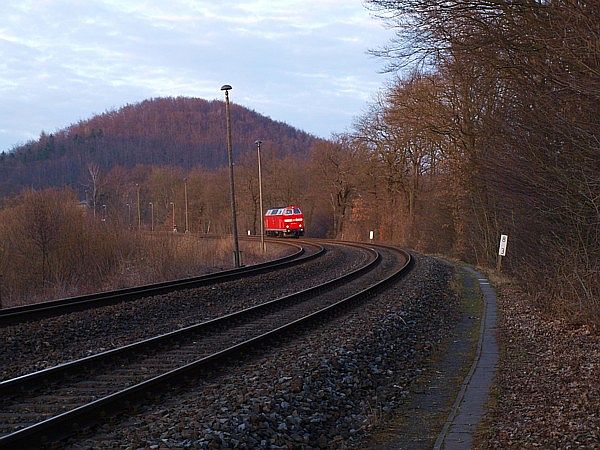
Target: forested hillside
[{"x": 180, "y": 132}]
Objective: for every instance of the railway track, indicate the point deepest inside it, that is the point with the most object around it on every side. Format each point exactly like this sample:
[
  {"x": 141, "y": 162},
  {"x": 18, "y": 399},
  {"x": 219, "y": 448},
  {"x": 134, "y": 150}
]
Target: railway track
[
  {"x": 19, "y": 314},
  {"x": 37, "y": 407},
  {"x": 36, "y": 345}
]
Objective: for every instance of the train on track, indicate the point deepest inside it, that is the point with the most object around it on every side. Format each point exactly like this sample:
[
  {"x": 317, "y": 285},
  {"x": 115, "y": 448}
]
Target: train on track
[{"x": 284, "y": 221}]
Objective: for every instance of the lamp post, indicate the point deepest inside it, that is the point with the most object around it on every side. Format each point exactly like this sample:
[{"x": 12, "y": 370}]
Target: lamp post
[
  {"x": 151, "y": 216},
  {"x": 236, "y": 249},
  {"x": 260, "y": 201},
  {"x": 129, "y": 215},
  {"x": 186, "y": 204},
  {"x": 173, "y": 205},
  {"x": 138, "y": 207}
]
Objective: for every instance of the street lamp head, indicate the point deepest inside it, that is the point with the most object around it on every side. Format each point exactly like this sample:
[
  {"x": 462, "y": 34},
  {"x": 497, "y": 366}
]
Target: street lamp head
[
  {"x": 258, "y": 142},
  {"x": 226, "y": 87}
]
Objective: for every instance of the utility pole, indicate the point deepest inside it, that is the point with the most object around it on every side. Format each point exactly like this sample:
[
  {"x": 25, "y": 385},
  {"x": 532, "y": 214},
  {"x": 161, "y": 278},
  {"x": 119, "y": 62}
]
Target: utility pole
[
  {"x": 260, "y": 200},
  {"x": 139, "y": 214},
  {"x": 236, "y": 247},
  {"x": 186, "y": 204}
]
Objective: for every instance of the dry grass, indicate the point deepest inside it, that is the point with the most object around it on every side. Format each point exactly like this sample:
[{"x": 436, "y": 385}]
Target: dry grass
[
  {"x": 124, "y": 259},
  {"x": 167, "y": 256}
]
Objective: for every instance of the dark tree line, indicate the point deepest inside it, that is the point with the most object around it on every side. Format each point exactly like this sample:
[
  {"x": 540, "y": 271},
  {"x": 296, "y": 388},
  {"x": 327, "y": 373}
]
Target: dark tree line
[{"x": 495, "y": 131}]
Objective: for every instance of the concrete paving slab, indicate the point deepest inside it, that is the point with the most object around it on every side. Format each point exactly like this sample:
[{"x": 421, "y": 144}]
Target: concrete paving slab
[{"x": 470, "y": 404}]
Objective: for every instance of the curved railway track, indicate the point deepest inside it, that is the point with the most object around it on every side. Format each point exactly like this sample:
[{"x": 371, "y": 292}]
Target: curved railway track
[
  {"x": 19, "y": 314},
  {"x": 37, "y": 407},
  {"x": 36, "y": 345}
]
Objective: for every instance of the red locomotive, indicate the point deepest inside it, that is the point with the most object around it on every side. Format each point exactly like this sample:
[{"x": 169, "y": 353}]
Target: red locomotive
[{"x": 287, "y": 221}]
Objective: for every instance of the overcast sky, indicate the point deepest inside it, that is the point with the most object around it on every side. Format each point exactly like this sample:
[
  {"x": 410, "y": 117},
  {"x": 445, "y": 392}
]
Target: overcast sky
[{"x": 303, "y": 62}]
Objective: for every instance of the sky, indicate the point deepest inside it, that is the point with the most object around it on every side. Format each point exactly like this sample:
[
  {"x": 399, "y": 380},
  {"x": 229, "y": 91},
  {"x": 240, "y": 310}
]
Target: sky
[{"x": 303, "y": 62}]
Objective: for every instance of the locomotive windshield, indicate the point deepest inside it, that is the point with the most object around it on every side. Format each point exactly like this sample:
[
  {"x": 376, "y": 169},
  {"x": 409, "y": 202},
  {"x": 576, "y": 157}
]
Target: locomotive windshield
[{"x": 283, "y": 211}]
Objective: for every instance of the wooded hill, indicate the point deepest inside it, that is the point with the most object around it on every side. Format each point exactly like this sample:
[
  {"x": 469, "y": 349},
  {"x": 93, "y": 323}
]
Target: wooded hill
[{"x": 180, "y": 132}]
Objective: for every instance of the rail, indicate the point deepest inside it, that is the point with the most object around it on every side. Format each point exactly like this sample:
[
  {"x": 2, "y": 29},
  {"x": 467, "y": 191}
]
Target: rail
[{"x": 56, "y": 427}]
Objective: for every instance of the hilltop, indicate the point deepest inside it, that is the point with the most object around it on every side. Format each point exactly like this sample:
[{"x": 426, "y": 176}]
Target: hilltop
[{"x": 180, "y": 132}]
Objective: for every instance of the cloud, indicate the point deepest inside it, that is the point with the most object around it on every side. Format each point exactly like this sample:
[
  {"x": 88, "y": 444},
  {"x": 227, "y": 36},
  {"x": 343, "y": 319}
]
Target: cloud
[{"x": 65, "y": 60}]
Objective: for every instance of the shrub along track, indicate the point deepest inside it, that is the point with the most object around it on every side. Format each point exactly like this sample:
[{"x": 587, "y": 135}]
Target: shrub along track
[{"x": 171, "y": 355}]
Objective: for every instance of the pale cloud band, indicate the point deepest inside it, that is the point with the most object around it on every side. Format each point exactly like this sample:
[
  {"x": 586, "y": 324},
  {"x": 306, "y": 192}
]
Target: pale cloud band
[{"x": 63, "y": 61}]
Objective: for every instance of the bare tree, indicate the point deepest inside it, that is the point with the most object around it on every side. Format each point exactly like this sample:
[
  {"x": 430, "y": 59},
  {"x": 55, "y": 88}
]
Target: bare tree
[
  {"x": 333, "y": 172},
  {"x": 95, "y": 182},
  {"x": 521, "y": 96}
]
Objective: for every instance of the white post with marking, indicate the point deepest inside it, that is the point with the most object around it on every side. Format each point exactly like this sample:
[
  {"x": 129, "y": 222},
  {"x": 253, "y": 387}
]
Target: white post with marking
[{"x": 501, "y": 251}]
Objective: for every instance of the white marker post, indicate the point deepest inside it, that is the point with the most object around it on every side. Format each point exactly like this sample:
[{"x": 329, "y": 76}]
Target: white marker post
[
  {"x": 501, "y": 250},
  {"x": 371, "y": 236}
]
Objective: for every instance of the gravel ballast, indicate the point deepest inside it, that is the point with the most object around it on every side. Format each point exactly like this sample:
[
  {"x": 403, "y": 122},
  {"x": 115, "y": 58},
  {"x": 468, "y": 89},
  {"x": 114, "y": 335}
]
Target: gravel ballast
[{"x": 325, "y": 388}]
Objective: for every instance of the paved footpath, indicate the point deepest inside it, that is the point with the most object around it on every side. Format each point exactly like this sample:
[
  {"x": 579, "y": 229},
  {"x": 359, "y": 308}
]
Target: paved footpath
[{"x": 469, "y": 407}]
